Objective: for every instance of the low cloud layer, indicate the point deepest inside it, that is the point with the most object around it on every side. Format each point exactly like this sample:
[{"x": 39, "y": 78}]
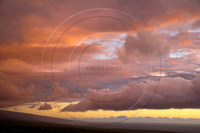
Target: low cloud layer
[
  {"x": 174, "y": 92},
  {"x": 45, "y": 106},
  {"x": 13, "y": 93}
]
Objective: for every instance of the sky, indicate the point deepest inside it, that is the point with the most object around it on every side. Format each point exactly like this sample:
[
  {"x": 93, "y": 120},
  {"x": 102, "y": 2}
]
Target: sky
[{"x": 90, "y": 58}]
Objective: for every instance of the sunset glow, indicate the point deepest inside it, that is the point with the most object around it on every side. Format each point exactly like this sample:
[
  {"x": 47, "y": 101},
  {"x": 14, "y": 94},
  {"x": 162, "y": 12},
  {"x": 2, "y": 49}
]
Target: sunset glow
[{"x": 107, "y": 59}]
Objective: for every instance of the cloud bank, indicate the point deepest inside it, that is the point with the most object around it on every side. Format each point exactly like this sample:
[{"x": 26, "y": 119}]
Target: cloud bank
[{"x": 174, "y": 92}]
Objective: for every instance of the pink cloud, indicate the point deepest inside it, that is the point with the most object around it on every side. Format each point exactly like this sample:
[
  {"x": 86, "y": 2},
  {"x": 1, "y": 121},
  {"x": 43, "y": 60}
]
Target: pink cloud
[{"x": 172, "y": 93}]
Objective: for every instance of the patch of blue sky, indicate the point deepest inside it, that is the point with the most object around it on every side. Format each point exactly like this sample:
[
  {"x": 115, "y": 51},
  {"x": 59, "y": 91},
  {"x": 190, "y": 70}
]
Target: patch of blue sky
[
  {"x": 171, "y": 33},
  {"x": 90, "y": 40},
  {"x": 180, "y": 53},
  {"x": 104, "y": 57},
  {"x": 111, "y": 46},
  {"x": 49, "y": 71},
  {"x": 116, "y": 42},
  {"x": 194, "y": 30}
]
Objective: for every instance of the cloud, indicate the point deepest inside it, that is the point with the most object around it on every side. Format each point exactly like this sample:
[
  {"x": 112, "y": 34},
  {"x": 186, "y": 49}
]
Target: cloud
[
  {"x": 26, "y": 26},
  {"x": 31, "y": 17},
  {"x": 145, "y": 45},
  {"x": 61, "y": 93},
  {"x": 173, "y": 92},
  {"x": 13, "y": 93},
  {"x": 33, "y": 106},
  {"x": 196, "y": 24},
  {"x": 88, "y": 84},
  {"x": 16, "y": 22},
  {"x": 33, "y": 54},
  {"x": 45, "y": 106}
]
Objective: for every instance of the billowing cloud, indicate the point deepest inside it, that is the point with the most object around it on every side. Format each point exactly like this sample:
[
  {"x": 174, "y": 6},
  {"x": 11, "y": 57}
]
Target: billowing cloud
[
  {"x": 145, "y": 45},
  {"x": 172, "y": 93},
  {"x": 13, "y": 93}
]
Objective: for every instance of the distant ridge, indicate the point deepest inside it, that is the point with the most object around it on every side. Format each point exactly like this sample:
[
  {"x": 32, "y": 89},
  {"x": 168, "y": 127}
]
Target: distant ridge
[
  {"x": 17, "y": 116},
  {"x": 22, "y": 122}
]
